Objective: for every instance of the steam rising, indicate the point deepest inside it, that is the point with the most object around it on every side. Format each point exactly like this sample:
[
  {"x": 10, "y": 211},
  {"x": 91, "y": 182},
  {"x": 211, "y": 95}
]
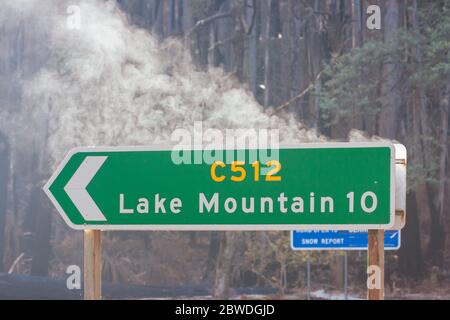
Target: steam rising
[{"x": 110, "y": 83}]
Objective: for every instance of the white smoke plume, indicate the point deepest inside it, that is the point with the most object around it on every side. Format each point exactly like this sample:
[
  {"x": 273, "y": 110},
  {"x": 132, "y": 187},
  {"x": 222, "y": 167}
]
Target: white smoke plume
[{"x": 109, "y": 83}]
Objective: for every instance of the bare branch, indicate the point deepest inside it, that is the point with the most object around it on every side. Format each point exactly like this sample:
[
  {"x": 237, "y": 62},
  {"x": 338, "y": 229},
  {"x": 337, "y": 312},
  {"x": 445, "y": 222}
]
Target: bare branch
[
  {"x": 299, "y": 96},
  {"x": 210, "y": 19},
  {"x": 248, "y": 28},
  {"x": 16, "y": 261}
]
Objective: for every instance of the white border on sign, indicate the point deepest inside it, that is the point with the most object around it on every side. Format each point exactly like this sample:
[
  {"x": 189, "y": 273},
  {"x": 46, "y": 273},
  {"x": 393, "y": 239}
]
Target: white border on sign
[
  {"x": 228, "y": 227},
  {"x": 343, "y": 248}
]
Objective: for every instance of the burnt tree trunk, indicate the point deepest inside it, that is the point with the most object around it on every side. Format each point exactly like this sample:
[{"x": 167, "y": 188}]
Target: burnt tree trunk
[
  {"x": 253, "y": 13},
  {"x": 224, "y": 266},
  {"x": 389, "y": 117},
  {"x": 436, "y": 246},
  {"x": 4, "y": 178},
  {"x": 158, "y": 19},
  {"x": 410, "y": 254},
  {"x": 39, "y": 207},
  {"x": 411, "y": 262},
  {"x": 213, "y": 252},
  {"x": 37, "y": 225},
  {"x": 267, "y": 52},
  {"x": 41, "y": 240}
]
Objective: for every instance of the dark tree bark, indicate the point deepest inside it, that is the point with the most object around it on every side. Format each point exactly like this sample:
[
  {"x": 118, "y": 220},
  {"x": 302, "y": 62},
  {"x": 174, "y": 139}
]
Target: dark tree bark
[
  {"x": 213, "y": 252},
  {"x": 203, "y": 37},
  {"x": 267, "y": 51},
  {"x": 357, "y": 119},
  {"x": 436, "y": 245},
  {"x": 37, "y": 225},
  {"x": 288, "y": 42},
  {"x": 41, "y": 241},
  {"x": 140, "y": 12},
  {"x": 389, "y": 116},
  {"x": 158, "y": 18},
  {"x": 172, "y": 22},
  {"x": 180, "y": 15},
  {"x": 253, "y": 13},
  {"x": 4, "y": 178},
  {"x": 224, "y": 266},
  {"x": 299, "y": 64},
  {"x": 410, "y": 254},
  {"x": 39, "y": 210},
  {"x": 238, "y": 42}
]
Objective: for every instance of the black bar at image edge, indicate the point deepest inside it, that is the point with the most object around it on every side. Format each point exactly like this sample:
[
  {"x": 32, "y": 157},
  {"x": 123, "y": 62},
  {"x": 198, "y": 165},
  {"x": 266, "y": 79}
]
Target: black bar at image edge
[{"x": 215, "y": 309}]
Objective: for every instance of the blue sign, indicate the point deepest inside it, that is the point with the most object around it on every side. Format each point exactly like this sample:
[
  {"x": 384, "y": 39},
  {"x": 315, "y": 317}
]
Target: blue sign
[{"x": 340, "y": 240}]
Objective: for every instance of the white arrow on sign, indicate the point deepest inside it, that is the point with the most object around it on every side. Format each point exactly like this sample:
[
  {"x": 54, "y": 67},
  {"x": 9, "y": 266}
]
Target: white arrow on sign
[{"x": 76, "y": 188}]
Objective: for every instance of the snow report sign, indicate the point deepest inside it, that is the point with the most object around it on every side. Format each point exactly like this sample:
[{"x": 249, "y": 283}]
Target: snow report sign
[{"x": 337, "y": 186}]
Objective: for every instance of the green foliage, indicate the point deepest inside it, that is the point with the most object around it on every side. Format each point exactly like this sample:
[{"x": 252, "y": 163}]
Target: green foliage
[
  {"x": 433, "y": 41},
  {"x": 353, "y": 80}
]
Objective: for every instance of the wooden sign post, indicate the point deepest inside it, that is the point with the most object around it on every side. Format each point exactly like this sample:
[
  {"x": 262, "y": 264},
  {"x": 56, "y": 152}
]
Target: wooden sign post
[
  {"x": 375, "y": 264},
  {"x": 92, "y": 265}
]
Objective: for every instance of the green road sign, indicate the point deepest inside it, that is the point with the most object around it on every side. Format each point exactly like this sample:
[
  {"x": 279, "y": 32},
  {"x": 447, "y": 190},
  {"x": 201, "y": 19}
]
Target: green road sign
[{"x": 338, "y": 186}]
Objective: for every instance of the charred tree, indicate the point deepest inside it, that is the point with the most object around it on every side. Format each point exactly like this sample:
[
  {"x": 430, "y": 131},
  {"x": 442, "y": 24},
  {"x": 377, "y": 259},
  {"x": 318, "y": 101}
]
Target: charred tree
[
  {"x": 224, "y": 267},
  {"x": 436, "y": 245},
  {"x": 410, "y": 255},
  {"x": 4, "y": 178},
  {"x": 213, "y": 252},
  {"x": 41, "y": 248},
  {"x": 411, "y": 263},
  {"x": 390, "y": 91}
]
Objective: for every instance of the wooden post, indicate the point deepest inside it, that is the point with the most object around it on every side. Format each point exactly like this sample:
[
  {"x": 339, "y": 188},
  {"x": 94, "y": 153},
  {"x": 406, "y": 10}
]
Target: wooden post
[
  {"x": 375, "y": 264},
  {"x": 92, "y": 265}
]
